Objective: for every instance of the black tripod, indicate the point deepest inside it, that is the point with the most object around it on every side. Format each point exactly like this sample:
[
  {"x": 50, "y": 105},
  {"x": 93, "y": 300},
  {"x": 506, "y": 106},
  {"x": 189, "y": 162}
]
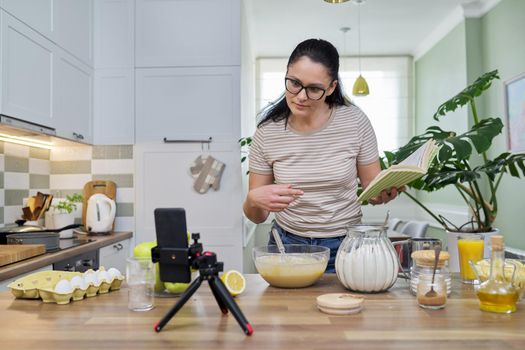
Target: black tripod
[{"x": 209, "y": 269}]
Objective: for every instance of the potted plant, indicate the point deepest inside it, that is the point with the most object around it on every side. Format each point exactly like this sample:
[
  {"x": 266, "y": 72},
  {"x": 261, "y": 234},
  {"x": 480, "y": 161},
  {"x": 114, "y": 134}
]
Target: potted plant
[
  {"x": 62, "y": 214},
  {"x": 475, "y": 178}
]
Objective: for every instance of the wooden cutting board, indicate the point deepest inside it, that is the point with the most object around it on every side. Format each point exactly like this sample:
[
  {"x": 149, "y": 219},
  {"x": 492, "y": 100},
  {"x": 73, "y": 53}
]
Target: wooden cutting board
[
  {"x": 12, "y": 253},
  {"x": 109, "y": 188}
]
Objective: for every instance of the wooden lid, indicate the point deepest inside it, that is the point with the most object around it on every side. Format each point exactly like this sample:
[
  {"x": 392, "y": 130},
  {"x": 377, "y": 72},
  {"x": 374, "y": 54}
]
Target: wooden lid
[
  {"x": 496, "y": 242},
  {"x": 426, "y": 257},
  {"x": 339, "y": 303}
]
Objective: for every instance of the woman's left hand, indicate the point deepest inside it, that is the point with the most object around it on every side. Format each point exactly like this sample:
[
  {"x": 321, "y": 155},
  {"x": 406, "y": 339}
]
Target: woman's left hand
[{"x": 386, "y": 196}]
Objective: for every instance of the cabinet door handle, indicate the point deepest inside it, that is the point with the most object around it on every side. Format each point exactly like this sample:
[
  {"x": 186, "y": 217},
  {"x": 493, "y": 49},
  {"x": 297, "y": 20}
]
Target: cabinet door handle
[
  {"x": 78, "y": 136},
  {"x": 118, "y": 246}
]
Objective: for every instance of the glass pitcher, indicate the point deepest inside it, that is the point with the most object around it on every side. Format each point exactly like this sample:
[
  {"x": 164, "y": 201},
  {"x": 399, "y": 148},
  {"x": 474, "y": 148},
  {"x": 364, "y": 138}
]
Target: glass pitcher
[
  {"x": 514, "y": 273},
  {"x": 366, "y": 260}
]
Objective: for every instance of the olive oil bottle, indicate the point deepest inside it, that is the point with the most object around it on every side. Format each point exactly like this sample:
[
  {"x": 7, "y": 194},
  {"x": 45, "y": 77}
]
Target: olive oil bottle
[{"x": 497, "y": 294}]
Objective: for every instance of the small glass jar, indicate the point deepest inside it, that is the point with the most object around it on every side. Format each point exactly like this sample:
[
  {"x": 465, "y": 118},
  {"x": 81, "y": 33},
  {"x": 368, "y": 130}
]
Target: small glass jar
[
  {"x": 418, "y": 270},
  {"x": 431, "y": 295}
]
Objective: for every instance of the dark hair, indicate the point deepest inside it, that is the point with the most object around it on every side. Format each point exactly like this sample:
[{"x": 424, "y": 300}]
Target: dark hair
[{"x": 320, "y": 51}]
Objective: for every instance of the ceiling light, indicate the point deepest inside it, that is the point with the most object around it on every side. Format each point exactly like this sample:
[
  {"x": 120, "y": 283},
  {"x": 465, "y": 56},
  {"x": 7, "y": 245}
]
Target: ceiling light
[
  {"x": 360, "y": 86},
  {"x": 335, "y": 1}
]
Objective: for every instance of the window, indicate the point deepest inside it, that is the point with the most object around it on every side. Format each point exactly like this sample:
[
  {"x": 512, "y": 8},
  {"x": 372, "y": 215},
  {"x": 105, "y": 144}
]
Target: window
[{"x": 389, "y": 105}]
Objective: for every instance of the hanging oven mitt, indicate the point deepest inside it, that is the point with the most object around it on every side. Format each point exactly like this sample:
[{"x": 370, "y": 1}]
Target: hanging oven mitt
[{"x": 210, "y": 171}]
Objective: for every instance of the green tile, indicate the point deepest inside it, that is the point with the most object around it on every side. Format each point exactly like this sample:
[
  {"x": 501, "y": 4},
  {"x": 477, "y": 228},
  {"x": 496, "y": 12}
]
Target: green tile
[
  {"x": 113, "y": 152},
  {"x": 124, "y": 209},
  {"x": 1, "y": 179},
  {"x": 16, "y": 164},
  {"x": 38, "y": 181},
  {"x": 39, "y": 153},
  {"x": 15, "y": 197},
  {"x": 71, "y": 167},
  {"x": 121, "y": 180}
]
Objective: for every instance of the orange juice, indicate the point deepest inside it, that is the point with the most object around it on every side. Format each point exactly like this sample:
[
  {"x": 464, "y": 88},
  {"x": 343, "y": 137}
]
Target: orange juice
[{"x": 469, "y": 248}]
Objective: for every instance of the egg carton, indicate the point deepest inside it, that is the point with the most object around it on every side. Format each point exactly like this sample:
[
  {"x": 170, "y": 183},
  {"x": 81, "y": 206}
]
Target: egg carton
[{"x": 48, "y": 285}]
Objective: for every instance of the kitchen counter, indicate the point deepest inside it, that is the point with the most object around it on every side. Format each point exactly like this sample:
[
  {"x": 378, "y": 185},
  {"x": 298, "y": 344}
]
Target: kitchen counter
[
  {"x": 281, "y": 319},
  {"x": 15, "y": 269}
]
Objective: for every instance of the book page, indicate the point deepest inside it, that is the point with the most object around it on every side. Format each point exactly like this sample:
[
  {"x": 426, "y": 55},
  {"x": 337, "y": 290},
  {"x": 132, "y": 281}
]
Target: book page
[{"x": 418, "y": 156}]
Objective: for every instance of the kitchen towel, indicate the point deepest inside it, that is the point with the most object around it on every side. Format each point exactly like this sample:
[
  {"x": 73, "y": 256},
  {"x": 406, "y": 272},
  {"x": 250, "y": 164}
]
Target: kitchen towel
[{"x": 208, "y": 172}]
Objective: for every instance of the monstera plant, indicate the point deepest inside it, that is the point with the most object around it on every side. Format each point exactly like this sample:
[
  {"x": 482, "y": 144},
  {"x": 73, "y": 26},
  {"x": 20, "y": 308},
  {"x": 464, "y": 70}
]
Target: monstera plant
[{"x": 476, "y": 178}]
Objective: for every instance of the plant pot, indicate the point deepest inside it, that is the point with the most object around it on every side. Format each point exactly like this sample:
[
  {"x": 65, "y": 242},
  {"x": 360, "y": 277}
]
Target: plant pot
[
  {"x": 58, "y": 220},
  {"x": 452, "y": 246}
]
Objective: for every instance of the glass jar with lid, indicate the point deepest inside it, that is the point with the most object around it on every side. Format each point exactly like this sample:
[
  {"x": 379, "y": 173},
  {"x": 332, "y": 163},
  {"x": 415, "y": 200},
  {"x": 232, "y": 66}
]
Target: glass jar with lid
[{"x": 423, "y": 265}]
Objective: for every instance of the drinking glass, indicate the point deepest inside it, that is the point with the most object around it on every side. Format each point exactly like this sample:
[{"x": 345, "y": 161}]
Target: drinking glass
[
  {"x": 470, "y": 248},
  {"x": 140, "y": 277}
]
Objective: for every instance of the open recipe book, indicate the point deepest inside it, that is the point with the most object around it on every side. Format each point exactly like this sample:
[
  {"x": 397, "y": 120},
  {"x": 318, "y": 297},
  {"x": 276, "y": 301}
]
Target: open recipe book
[{"x": 410, "y": 169}]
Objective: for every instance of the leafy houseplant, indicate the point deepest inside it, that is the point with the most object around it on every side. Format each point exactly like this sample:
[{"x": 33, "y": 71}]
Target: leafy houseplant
[
  {"x": 455, "y": 163},
  {"x": 68, "y": 205},
  {"x": 63, "y": 214}
]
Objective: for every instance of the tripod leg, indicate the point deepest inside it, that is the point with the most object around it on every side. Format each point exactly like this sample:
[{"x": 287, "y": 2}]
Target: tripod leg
[
  {"x": 192, "y": 288},
  {"x": 223, "y": 307},
  {"x": 220, "y": 290}
]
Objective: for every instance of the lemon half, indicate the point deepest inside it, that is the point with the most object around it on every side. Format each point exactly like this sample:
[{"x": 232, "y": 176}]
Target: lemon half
[{"x": 234, "y": 282}]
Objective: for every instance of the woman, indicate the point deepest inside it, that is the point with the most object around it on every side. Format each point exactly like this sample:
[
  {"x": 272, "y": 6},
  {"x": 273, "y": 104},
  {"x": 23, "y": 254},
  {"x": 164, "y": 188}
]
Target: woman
[{"x": 307, "y": 153}]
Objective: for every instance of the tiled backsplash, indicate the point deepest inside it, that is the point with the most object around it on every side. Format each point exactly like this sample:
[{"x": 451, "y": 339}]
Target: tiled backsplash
[{"x": 63, "y": 171}]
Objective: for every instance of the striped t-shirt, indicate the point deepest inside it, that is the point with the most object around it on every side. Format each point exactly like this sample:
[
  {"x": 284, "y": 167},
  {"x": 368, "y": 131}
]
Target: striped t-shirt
[{"x": 322, "y": 164}]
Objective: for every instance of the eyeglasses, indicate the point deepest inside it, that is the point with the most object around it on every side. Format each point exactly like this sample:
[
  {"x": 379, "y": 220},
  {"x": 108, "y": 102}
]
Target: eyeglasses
[{"x": 295, "y": 87}]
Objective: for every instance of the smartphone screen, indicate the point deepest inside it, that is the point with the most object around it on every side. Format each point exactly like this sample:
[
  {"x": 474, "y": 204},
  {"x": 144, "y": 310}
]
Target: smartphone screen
[{"x": 170, "y": 225}]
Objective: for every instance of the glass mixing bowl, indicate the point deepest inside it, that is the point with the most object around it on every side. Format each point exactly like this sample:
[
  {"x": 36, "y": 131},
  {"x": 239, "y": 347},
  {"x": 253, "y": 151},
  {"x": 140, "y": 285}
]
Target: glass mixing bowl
[{"x": 301, "y": 266}]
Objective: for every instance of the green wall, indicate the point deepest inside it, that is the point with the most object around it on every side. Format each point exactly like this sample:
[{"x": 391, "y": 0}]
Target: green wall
[
  {"x": 503, "y": 48},
  {"x": 439, "y": 75},
  {"x": 475, "y": 46}
]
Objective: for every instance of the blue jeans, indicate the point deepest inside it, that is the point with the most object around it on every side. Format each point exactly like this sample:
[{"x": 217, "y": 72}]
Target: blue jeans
[{"x": 331, "y": 243}]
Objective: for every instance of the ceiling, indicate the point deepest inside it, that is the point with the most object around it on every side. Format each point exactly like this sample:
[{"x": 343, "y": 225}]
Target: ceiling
[{"x": 388, "y": 27}]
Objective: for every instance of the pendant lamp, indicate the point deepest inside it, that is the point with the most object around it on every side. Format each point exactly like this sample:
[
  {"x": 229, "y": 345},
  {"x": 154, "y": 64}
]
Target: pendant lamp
[{"x": 360, "y": 86}]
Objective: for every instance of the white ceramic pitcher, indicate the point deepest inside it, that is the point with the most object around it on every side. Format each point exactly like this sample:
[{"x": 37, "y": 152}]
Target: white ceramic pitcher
[{"x": 100, "y": 213}]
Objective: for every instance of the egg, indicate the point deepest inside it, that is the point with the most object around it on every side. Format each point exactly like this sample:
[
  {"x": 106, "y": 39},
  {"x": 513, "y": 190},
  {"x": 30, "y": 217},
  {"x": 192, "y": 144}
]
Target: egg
[
  {"x": 114, "y": 273},
  {"x": 91, "y": 278},
  {"x": 63, "y": 287},
  {"x": 104, "y": 276},
  {"x": 78, "y": 282}
]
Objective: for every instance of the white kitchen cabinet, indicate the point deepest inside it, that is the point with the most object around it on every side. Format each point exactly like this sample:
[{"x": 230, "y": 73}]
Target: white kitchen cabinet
[
  {"x": 113, "y": 119},
  {"x": 115, "y": 255},
  {"x": 114, "y": 90},
  {"x": 73, "y": 21},
  {"x": 163, "y": 180},
  {"x": 187, "y": 33},
  {"x": 38, "y": 14},
  {"x": 26, "y": 72},
  {"x": 3, "y": 284},
  {"x": 73, "y": 98},
  {"x": 114, "y": 29},
  {"x": 67, "y": 23},
  {"x": 187, "y": 103}
]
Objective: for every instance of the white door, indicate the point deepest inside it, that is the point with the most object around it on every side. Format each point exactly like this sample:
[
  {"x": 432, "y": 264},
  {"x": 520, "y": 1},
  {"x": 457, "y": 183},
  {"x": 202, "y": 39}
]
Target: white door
[
  {"x": 114, "y": 112},
  {"x": 73, "y": 101},
  {"x": 73, "y": 22},
  {"x": 187, "y": 33},
  {"x": 187, "y": 103},
  {"x": 163, "y": 180},
  {"x": 27, "y": 72},
  {"x": 37, "y": 14}
]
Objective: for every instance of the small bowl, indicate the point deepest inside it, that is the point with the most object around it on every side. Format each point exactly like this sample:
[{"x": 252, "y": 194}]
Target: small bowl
[{"x": 301, "y": 266}]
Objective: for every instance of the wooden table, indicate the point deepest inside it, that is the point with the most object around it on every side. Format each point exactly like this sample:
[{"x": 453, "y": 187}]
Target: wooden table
[{"x": 281, "y": 318}]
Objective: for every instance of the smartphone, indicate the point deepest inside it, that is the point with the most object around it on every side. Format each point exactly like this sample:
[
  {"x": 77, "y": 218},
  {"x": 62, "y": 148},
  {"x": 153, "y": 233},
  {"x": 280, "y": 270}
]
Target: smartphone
[{"x": 170, "y": 226}]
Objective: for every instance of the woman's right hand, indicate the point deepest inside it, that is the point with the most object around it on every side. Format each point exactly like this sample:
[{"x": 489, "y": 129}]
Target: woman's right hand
[{"x": 273, "y": 197}]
